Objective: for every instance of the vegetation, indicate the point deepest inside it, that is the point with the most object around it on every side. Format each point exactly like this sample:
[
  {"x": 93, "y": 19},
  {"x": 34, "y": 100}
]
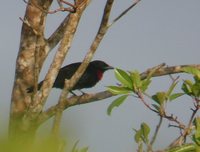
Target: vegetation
[{"x": 27, "y": 112}]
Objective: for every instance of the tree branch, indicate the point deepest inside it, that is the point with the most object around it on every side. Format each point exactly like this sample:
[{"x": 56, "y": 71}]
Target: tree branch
[
  {"x": 101, "y": 32},
  {"x": 187, "y": 130},
  {"x": 32, "y": 41},
  {"x": 156, "y": 131},
  {"x": 41, "y": 96},
  {"x": 74, "y": 79},
  {"x": 53, "y": 40},
  {"x": 75, "y": 100},
  {"x": 168, "y": 70},
  {"x": 88, "y": 98}
]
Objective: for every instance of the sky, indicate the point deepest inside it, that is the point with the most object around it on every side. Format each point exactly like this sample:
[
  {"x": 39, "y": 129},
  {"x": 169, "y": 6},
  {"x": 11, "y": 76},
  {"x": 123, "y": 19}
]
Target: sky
[{"x": 153, "y": 32}]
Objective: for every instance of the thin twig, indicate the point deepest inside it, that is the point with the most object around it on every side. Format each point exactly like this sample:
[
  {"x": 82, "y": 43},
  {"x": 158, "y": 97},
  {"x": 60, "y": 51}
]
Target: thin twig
[
  {"x": 174, "y": 119},
  {"x": 164, "y": 115},
  {"x": 62, "y": 9},
  {"x": 156, "y": 131},
  {"x": 140, "y": 96},
  {"x": 71, "y": 9},
  {"x": 124, "y": 12},
  {"x": 194, "y": 111},
  {"x": 187, "y": 130}
]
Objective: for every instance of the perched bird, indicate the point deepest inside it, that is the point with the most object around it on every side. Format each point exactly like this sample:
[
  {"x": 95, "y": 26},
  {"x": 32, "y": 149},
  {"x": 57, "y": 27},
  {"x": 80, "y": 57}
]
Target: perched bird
[{"x": 90, "y": 77}]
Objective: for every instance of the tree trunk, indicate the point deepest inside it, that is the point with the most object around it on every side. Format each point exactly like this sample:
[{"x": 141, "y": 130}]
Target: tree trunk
[
  {"x": 34, "y": 48},
  {"x": 32, "y": 53}
]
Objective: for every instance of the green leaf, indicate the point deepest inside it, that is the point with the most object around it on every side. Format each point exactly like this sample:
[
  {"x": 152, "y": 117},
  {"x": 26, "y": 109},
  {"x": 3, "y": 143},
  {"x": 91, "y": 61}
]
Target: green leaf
[
  {"x": 171, "y": 88},
  {"x": 175, "y": 95},
  {"x": 136, "y": 79},
  {"x": 187, "y": 87},
  {"x": 118, "y": 90},
  {"x": 196, "y": 89},
  {"x": 116, "y": 103},
  {"x": 74, "y": 149},
  {"x": 159, "y": 97},
  {"x": 196, "y": 135},
  {"x": 145, "y": 131},
  {"x": 85, "y": 149},
  {"x": 192, "y": 70},
  {"x": 196, "y": 122},
  {"x": 145, "y": 84},
  {"x": 147, "y": 81},
  {"x": 138, "y": 134},
  {"x": 183, "y": 148},
  {"x": 196, "y": 79},
  {"x": 124, "y": 78},
  {"x": 188, "y": 82}
]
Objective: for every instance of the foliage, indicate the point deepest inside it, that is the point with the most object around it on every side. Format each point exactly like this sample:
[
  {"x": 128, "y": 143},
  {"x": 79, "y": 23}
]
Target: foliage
[
  {"x": 49, "y": 144},
  {"x": 132, "y": 84},
  {"x": 27, "y": 110}
]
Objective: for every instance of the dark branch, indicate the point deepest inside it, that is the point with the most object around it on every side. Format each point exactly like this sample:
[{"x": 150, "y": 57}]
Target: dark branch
[{"x": 124, "y": 12}]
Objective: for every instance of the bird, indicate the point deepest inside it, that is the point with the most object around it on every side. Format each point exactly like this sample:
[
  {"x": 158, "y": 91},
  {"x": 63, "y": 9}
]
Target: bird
[{"x": 92, "y": 75}]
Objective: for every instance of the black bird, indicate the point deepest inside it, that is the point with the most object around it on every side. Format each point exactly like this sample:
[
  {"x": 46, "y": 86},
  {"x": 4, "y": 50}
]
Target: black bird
[{"x": 90, "y": 77}]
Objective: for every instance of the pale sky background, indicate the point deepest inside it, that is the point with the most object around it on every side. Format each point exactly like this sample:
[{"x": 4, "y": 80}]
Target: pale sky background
[{"x": 153, "y": 32}]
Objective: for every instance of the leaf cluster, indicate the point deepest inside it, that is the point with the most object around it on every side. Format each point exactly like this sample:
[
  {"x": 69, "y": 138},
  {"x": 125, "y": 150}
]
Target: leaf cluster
[{"x": 131, "y": 84}]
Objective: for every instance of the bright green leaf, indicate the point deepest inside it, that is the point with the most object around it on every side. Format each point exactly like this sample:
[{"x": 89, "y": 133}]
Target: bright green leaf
[
  {"x": 145, "y": 131},
  {"x": 196, "y": 135},
  {"x": 196, "y": 89},
  {"x": 175, "y": 95},
  {"x": 116, "y": 103},
  {"x": 188, "y": 82},
  {"x": 124, "y": 78},
  {"x": 183, "y": 148},
  {"x": 118, "y": 90},
  {"x": 159, "y": 97},
  {"x": 192, "y": 70},
  {"x": 138, "y": 135},
  {"x": 196, "y": 122},
  {"x": 137, "y": 83},
  {"x": 145, "y": 84},
  {"x": 186, "y": 87},
  {"x": 196, "y": 79},
  {"x": 171, "y": 88}
]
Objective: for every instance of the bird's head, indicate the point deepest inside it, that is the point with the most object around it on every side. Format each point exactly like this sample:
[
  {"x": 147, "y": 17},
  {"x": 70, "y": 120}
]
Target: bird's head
[{"x": 101, "y": 65}]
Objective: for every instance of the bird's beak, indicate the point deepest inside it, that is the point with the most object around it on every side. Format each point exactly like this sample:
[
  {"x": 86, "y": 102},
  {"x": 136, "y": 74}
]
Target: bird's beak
[{"x": 109, "y": 67}]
